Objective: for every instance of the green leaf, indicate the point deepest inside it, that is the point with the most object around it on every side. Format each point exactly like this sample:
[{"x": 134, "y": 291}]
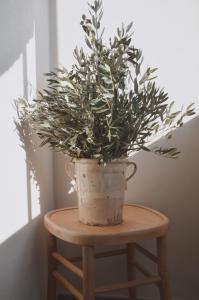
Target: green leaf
[
  {"x": 88, "y": 43},
  {"x": 99, "y": 111},
  {"x": 135, "y": 86},
  {"x": 128, "y": 28},
  {"x": 145, "y": 148}
]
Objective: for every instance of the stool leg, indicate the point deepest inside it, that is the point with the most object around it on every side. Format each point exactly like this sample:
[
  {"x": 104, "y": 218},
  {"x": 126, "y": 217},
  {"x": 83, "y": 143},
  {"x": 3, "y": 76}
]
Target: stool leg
[
  {"x": 165, "y": 293},
  {"x": 51, "y": 292},
  {"x": 131, "y": 273},
  {"x": 88, "y": 273}
]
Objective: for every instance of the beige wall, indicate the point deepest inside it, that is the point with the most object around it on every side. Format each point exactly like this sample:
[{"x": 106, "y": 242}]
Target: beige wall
[{"x": 167, "y": 33}]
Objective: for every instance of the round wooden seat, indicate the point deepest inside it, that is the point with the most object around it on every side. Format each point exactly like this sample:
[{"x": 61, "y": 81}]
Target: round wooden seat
[{"x": 139, "y": 223}]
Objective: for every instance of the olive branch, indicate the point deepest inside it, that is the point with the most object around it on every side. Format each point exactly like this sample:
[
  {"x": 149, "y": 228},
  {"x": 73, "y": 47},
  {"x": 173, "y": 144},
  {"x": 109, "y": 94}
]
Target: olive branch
[{"x": 104, "y": 107}]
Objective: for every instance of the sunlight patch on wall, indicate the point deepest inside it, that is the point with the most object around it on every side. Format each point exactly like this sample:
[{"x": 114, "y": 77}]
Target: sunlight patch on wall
[
  {"x": 30, "y": 65},
  {"x": 14, "y": 204},
  {"x": 19, "y": 192},
  {"x": 35, "y": 198}
]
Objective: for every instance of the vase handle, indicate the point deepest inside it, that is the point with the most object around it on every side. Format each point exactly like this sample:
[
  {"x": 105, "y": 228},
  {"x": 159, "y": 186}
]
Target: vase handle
[
  {"x": 134, "y": 171},
  {"x": 69, "y": 168}
]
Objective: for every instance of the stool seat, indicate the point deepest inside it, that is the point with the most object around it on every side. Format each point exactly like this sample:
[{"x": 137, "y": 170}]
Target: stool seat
[{"x": 139, "y": 223}]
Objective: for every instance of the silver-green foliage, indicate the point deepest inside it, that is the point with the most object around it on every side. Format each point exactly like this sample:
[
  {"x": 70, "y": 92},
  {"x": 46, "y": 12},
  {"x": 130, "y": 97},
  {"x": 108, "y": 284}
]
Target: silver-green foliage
[{"x": 104, "y": 108}]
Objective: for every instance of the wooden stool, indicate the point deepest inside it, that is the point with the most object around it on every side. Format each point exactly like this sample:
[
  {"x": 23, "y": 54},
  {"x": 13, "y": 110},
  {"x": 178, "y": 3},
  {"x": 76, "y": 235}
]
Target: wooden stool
[{"x": 140, "y": 223}]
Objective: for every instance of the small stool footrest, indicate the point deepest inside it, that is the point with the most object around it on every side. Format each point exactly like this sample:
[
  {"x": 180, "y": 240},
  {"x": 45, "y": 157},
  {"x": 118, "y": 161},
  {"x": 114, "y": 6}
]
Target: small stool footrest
[
  {"x": 128, "y": 284},
  {"x": 67, "y": 264},
  {"x": 67, "y": 285},
  {"x": 101, "y": 255},
  {"x": 146, "y": 253},
  {"x": 140, "y": 268}
]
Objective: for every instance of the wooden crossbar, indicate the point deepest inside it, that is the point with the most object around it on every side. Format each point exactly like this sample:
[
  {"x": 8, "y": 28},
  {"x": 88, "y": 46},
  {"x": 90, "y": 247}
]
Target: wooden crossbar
[
  {"x": 124, "y": 285},
  {"x": 146, "y": 253},
  {"x": 141, "y": 269},
  {"x": 67, "y": 285},
  {"x": 101, "y": 255},
  {"x": 69, "y": 265}
]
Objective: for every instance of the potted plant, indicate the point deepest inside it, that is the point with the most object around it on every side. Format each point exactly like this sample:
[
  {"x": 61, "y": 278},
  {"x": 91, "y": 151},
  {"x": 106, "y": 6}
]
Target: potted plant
[{"x": 99, "y": 113}]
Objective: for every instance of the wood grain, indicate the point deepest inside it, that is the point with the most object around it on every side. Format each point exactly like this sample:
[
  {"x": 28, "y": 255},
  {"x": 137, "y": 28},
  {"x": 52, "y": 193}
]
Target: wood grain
[
  {"x": 67, "y": 285},
  {"x": 139, "y": 223},
  {"x": 66, "y": 263}
]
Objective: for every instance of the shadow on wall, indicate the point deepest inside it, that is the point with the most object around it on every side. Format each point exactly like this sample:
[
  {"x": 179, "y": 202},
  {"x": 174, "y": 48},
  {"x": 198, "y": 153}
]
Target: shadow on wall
[
  {"x": 23, "y": 264},
  {"x": 65, "y": 194},
  {"x": 19, "y": 22},
  {"x": 16, "y": 28},
  {"x": 170, "y": 186},
  {"x": 38, "y": 164},
  {"x": 23, "y": 254}
]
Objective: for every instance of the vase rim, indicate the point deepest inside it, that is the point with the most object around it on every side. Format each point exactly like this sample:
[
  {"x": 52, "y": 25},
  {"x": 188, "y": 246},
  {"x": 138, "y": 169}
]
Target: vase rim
[{"x": 95, "y": 160}]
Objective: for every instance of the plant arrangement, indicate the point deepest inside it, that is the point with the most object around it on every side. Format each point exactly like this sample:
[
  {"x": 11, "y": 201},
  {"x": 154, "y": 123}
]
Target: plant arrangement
[{"x": 105, "y": 107}]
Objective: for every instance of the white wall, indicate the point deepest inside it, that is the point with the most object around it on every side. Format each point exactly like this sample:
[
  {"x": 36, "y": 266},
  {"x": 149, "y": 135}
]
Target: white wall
[
  {"x": 167, "y": 32},
  {"x": 26, "y": 174}
]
